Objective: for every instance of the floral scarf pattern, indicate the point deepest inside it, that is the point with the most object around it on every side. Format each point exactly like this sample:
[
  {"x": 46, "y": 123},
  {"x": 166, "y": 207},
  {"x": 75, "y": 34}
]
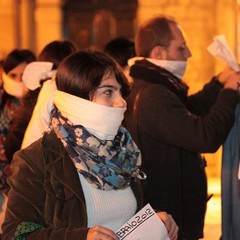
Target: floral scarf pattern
[
  {"x": 24, "y": 228},
  {"x": 107, "y": 164},
  {"x": 8, "y": 106}
]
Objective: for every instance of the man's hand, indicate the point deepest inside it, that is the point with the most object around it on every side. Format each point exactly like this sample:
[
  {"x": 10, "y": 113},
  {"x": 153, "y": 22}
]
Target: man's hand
[{"x": 230, "y": 79}]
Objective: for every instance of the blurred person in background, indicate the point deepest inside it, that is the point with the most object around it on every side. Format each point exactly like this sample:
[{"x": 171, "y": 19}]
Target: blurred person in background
[
  {"x": 121, "y": 49},
  {"x": 230, "y": 183},
  {"x": 13, "y": 91},
  {"x": 34, "y": 76},
  {"x": 41, "y": 75}
]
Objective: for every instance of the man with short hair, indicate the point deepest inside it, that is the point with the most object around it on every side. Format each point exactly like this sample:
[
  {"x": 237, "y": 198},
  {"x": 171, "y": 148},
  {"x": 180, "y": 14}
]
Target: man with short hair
[{"x": 171, "y": 128}]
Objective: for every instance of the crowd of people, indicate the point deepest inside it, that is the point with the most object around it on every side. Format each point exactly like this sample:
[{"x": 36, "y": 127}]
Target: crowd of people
[{"x": 90, "y": 136}]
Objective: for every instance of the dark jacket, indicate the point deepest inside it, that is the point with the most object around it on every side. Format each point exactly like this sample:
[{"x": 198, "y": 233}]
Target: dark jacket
[
  {"x": 230, "y": 184},
  {"x": 19, "y": 123},
  {"x": 171, "y": 130},
  {"x": 45, "y": 189},
  {"x": 14, "y": 133},
  {"x": 8, "y": 106}
]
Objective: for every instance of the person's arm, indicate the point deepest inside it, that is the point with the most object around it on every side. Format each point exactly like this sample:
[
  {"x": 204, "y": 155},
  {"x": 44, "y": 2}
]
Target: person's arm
[
  {"x": 169, "y": 120},
  {"x": 26, "y": 203},
  {"x": 27, "y": 198},
  {"x": 201, "y": 102}
]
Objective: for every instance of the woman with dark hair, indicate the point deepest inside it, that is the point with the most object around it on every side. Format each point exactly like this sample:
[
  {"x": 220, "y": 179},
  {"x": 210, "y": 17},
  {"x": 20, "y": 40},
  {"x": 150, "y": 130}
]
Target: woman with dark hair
[
  {"x": 83, "y": 174},
  {"x": 56, "y": 51},
  {"x": 35, "y": 74},
  {"x": 13, "y": 92}
]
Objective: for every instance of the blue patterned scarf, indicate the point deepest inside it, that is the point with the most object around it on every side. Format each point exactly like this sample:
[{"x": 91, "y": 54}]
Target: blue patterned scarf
[{"x": 107, "y": 164}]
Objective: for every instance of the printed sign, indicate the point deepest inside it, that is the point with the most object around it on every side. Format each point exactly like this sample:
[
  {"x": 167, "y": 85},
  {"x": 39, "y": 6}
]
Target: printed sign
[{"x": 144, "y": 225}]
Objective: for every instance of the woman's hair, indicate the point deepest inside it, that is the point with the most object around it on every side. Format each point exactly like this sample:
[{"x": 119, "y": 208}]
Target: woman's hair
[
  {"x": 16, "y": 57},
  {"x": 155, "y": 32},
  {"x": 81, "y": 73},
  {"x": 56, "y": 51}
]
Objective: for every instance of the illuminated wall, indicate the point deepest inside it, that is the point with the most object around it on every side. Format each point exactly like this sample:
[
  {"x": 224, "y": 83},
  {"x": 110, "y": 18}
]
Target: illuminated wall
[
  {"x": 29, "y": 24},
  {"x": 33, "y": 23}
]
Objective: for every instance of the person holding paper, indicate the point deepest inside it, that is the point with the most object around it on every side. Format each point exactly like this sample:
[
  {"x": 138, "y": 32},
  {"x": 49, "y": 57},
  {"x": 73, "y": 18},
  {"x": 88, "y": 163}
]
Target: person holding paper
[
  {"x": 81, "y": 179},
  {"x": 171, "y": 128}
]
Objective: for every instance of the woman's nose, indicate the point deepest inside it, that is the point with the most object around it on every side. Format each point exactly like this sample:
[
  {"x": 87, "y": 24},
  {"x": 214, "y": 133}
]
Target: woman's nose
[{"x": 119, "y": 102}]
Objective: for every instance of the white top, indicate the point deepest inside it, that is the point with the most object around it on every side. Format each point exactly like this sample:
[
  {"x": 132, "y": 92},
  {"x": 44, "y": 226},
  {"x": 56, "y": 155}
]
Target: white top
[
  {"x": 40, "y": 119},
  {"x": 110, "y": 209}
]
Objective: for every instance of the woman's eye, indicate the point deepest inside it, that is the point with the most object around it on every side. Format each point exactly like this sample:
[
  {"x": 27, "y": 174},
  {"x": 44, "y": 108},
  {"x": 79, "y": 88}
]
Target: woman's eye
[
  {"x": 13, "y": 76},
  {"x": 108, "y": 92}
]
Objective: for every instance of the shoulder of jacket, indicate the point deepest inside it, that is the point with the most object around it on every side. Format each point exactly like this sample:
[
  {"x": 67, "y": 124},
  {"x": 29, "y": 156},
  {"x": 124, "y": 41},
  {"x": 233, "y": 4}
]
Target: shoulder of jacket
[
  {"x": 157, "y": 90},
  {"x": 48, "y": 145}
]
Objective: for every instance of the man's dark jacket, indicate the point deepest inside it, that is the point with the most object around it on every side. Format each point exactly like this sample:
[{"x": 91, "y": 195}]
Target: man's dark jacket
[{"x": 171, "y": 130}]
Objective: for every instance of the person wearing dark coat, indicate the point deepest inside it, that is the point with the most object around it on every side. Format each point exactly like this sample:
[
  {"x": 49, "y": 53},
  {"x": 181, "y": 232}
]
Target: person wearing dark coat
[{"x": 173, "y": 129}]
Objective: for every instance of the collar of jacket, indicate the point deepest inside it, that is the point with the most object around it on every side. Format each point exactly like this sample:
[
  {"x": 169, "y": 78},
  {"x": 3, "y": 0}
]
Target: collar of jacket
[
  {"x": 148, "y": 72},
  {"x": 59, "y": 165}
]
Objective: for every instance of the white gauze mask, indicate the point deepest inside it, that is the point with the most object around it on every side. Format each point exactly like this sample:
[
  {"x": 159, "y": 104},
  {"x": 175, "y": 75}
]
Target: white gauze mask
[
  {"x": 100, "y": 120},
  {"x": 13, "y": 88},
  {"x": 177, "y": 68}
]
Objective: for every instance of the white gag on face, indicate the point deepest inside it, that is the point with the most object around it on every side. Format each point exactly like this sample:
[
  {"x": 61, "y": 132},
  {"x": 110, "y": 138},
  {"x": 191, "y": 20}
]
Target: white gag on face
[{"x": 13, "y": 88}]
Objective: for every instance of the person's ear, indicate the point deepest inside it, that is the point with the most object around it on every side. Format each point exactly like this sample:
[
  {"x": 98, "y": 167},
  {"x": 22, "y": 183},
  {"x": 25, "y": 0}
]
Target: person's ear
[{"x": 159, "y": 53}]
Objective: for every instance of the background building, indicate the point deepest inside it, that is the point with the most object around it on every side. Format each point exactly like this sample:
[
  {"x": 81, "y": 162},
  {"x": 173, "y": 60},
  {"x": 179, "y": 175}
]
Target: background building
[{"x": 33, "y": 23}]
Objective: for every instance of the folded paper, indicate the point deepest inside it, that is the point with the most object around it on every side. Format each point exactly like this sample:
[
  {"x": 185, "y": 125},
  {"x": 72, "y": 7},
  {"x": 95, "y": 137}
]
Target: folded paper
[
  {"x": 144, "y": 225},
  {"x": 220, "y": 49}
]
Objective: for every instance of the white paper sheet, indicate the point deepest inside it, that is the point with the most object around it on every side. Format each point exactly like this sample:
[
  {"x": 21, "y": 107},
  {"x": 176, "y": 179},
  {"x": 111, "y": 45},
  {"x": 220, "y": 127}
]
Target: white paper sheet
[
  {"x": 220, "y": 48},
  {"x": 144, "y": 225}
]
